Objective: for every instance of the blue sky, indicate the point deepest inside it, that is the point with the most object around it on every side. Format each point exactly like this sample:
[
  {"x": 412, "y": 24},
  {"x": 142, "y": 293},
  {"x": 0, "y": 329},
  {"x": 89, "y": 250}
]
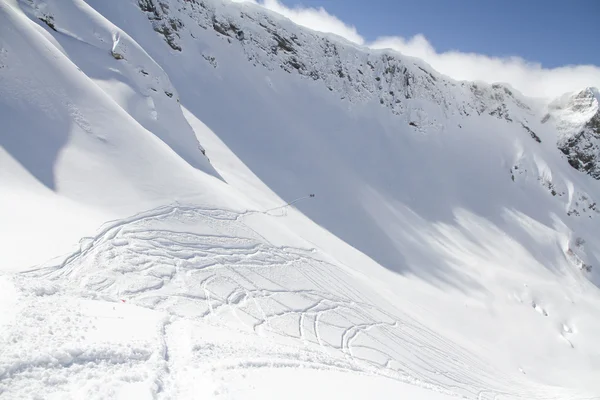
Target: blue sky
[{"x": 551, "y": 32}]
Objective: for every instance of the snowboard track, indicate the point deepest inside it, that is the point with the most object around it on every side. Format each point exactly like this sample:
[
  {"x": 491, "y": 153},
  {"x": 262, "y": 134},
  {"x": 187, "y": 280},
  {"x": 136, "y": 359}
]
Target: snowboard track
[{"x": 218, "y": 270}]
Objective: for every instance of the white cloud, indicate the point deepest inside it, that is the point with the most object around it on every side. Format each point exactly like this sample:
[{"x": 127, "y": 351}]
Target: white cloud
[
  {"x": 530, "y": 78},
  {"x": 317, "y": 19},
  {"x": 314, "y": 18}
]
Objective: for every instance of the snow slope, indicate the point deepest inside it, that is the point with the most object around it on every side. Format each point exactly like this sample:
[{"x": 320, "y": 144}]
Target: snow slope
[{"x": 451, "y": 249}]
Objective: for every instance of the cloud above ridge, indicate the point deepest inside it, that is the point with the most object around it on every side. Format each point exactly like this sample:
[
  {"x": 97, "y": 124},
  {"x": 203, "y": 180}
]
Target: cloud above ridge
[
  {"x": 530, "y": 78},
  {"x": 317, "y": 19}
]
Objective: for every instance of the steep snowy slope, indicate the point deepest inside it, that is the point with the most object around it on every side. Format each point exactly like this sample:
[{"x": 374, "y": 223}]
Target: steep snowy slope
[
  {"x": 63, "y": 135},
  {"x": 451, "y": 249}
]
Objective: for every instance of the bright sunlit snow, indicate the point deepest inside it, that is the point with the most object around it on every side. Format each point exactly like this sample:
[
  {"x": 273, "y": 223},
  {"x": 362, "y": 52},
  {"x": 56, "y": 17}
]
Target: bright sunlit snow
[{"x": 148, "y": 149}]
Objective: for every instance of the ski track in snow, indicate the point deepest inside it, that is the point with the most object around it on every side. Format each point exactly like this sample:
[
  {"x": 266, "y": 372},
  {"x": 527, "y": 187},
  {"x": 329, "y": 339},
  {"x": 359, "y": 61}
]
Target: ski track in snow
[{"x": 193, "y": 265}]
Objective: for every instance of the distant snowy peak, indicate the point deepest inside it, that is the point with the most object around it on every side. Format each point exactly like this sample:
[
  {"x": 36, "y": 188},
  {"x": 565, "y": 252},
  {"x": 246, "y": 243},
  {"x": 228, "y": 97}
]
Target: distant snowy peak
[
  {"x": 581, "y": 105},
  {"x": 577, "y": 118}
]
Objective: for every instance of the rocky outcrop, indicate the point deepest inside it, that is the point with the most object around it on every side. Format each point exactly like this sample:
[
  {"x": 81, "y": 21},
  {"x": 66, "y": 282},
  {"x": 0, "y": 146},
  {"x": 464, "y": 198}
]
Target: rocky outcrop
[
  {"x": 158, "y": 13},
  {"x": 583, "y": 149},
  {"x": 404, "y": 85},
  {"x": 579, "y": 123}
]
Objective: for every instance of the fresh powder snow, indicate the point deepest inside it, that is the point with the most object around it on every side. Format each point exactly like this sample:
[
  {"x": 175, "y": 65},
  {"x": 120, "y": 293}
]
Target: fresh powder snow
[{"x": 160, "y": 240}]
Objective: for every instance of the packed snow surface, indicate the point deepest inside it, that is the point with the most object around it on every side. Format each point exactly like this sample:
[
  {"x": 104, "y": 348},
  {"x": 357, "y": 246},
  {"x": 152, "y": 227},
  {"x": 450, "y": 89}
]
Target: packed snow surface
[{"x": 149, "y": 149}]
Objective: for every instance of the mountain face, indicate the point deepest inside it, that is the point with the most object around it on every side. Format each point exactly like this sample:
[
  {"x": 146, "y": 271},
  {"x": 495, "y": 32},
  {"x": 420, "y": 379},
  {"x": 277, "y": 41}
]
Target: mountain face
[
  {"x": 419, "y": 96},
  {"x": 353, "y": 74},
  {"x": 577, "y": 117},
  {"x": 357, "y": 76},
  {"x": 150, "y": 154}
]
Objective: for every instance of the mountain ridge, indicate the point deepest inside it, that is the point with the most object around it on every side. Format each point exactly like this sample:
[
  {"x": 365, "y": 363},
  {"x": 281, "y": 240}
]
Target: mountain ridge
[{"x": 357, "y": 75}]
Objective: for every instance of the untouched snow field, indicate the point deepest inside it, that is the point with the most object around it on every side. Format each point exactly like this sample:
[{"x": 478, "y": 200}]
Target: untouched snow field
[{"x": 148, "y": 149}]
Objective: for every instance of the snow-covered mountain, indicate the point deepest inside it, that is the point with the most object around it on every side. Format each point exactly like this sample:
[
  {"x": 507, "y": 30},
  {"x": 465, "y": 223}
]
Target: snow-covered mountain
[
  {"x": 148, "y": 149},
  {"x": 577, "y": 119}
]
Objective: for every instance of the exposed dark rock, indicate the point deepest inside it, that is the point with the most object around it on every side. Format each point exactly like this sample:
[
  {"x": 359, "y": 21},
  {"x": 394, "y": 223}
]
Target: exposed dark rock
[
  {"x": 227, "y": 28},
  {"x": 283, "y": 43},
  {"x": 428, "y": 73},
  {"x": 501, "y": 112},
  {"x": 49, "y": 20},
  {"x": 157, "y": 11},
  {"x": 116, "y": 55},
  {"x": 294, "y": 63},
  {"x": 532, "y": 133},
  {"x": 583, "y": 149}
]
